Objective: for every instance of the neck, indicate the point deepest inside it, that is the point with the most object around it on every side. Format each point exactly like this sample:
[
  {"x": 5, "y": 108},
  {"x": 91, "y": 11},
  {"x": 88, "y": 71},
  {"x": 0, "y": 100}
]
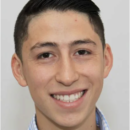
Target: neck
[{"x": 45, "y": 123}]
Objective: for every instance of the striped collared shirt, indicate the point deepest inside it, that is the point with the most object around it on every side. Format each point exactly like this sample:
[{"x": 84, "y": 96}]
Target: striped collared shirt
[{"x": 100, "y": 121}]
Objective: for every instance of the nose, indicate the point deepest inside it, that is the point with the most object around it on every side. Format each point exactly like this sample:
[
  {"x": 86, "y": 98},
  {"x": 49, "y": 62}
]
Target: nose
[{"x": 67, "y": 73}]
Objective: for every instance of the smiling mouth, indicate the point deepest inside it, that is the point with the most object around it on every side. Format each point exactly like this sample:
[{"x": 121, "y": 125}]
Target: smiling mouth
[{"x": 69, "y": 98}]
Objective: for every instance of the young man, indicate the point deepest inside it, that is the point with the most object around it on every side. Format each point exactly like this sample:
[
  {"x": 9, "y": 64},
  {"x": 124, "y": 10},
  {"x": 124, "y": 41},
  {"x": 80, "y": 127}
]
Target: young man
[{"x": 62, "y": 57}]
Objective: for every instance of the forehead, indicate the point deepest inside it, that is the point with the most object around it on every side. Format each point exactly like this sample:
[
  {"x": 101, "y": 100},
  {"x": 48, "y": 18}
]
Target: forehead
[{"x": 60, "y": 27}]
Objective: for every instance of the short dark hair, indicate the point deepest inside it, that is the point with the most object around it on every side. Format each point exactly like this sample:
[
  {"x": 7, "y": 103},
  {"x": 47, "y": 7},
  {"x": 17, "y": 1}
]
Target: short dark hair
[{"x": 35, "y": 7}]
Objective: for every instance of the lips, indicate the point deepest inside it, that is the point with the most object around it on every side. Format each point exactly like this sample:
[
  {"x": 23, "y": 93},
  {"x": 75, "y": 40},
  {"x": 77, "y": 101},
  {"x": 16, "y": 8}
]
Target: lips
[
  {"x": 69, "y": 99},
  {"x": 68, "y": 92}
]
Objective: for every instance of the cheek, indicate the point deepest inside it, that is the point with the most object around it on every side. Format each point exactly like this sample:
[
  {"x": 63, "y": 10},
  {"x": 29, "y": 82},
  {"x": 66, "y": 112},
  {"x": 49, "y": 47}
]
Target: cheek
[
  {"x": 93, "y": 70},
  {"x": 38, "y": 77},
  {"x": 38, "y": 80}
]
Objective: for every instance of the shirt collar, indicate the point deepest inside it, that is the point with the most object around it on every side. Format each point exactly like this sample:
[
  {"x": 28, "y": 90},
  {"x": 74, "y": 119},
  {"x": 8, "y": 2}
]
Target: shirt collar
[{"x": 100, "y": 121}]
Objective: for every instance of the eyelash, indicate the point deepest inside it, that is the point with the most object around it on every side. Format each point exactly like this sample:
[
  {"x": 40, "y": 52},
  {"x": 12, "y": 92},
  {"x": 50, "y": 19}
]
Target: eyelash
[
  {"x": 47, "y": 54},
  {"x": 84, "y": 51}
]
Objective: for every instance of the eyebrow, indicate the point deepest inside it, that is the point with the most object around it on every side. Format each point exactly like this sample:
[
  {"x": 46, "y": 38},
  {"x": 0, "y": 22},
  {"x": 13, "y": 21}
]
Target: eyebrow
[
  {"x": 85, "y": 41},
  {"x": 53, "y": 44}
]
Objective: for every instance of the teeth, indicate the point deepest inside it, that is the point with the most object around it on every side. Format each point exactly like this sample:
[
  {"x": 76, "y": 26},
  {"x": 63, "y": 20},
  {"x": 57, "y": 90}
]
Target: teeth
[
  {"x": 81, "y": 93},
  {"x": 61, "y": 98},
  {"x": 68, "y": 98},
  {"x": 58, "y": 97},
  {"x": 72, "y": 98},
  {"x": 76, "y": 96}
]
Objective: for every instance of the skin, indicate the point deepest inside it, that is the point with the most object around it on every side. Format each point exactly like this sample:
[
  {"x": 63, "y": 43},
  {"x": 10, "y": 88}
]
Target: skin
[{"x": 64, "y": 69}]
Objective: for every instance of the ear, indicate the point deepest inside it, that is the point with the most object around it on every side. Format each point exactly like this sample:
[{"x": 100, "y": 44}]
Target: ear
[
  {"x": 17, "y": 69},
  {"x": 108, "y": 60}
]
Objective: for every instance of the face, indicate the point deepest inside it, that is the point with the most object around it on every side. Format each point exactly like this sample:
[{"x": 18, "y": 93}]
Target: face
[{"x": 63, "y": 66}]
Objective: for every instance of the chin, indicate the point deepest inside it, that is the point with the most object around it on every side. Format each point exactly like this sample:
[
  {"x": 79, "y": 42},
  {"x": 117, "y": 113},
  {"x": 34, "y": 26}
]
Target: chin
[{"x": 69, "y": 122}]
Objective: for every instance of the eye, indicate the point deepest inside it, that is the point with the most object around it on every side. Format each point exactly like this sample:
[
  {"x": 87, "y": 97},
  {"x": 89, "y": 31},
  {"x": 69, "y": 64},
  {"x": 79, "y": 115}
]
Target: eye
[
  {"x": 45, "y": 55},
  {"x": 82, "y": 52}
]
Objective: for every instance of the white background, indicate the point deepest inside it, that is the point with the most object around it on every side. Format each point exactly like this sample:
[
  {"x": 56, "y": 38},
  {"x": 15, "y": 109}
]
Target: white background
[{"x": 17, "y": 105}]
